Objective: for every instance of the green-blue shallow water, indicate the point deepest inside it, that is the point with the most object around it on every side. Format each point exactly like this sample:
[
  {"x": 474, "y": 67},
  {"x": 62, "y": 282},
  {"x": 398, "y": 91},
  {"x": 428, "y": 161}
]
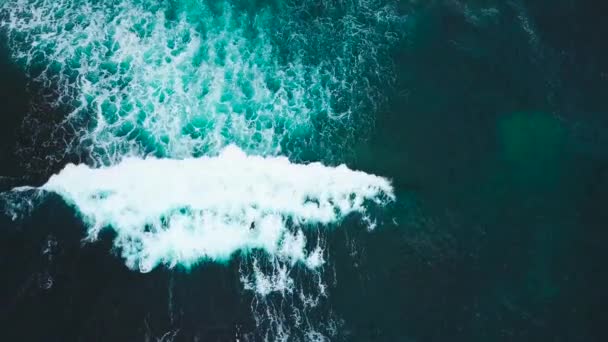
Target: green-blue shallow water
[{"x": 488, "y": 118}]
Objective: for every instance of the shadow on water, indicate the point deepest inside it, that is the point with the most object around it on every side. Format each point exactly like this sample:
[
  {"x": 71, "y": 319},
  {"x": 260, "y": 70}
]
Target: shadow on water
[
  {"x": 28, "y": 128},
  {"x": 15, "y": 101}
]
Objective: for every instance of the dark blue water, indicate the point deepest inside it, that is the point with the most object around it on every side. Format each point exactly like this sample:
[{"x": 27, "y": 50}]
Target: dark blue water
[{"x": 496, "y": 139}]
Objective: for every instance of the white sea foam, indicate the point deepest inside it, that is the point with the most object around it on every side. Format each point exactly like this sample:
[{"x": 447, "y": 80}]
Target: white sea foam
[
  {"x": 167, "y": 211},
  {"x": 186, "y": 78}
]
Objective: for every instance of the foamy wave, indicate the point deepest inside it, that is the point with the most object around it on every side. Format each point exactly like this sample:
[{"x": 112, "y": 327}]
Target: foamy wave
[
  {"x": 186, "y": 78},
  {"x": 174, "y": 212}
]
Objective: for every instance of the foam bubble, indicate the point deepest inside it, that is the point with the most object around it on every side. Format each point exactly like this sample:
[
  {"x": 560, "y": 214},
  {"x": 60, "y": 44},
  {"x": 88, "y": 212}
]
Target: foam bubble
[
  {"x": 168, "y": 211},
  {"x": 187, "y": 78}
]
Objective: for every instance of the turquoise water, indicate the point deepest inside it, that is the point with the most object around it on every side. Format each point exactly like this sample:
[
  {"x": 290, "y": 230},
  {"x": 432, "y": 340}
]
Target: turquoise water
[
  {"x": 186, "y": 78},
  {"x": 175, "y": 103},
  {"x": 477, "y": 128}
]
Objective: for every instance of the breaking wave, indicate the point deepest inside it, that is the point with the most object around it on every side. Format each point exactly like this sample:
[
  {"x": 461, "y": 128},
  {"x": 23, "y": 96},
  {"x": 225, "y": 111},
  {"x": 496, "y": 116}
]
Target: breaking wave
[
  {"x": 194, "y": 122},
  {"x": 167, "y": 211}
]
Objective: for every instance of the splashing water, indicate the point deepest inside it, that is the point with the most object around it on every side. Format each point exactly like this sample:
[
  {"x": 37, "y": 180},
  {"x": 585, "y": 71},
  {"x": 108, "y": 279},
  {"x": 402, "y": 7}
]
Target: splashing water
[
  {"x": 181, "y": 108},
  {"x": 209, "y": 208},
  {"x": 186, "y": 78}
]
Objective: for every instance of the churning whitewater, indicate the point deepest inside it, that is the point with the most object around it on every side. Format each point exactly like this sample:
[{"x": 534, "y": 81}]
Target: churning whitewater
[
  {"x": 195, "y": 122},
  {"x": 185, "y": 79},
  {"x": 183, "y": 211}
]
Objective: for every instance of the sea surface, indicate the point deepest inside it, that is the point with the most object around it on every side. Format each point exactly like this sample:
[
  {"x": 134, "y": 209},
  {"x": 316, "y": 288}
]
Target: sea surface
[{"x": 266, "y": 170}]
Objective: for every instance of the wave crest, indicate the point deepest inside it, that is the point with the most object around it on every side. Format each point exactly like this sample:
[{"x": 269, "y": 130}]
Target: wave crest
[{"x": 167, "y": 211}]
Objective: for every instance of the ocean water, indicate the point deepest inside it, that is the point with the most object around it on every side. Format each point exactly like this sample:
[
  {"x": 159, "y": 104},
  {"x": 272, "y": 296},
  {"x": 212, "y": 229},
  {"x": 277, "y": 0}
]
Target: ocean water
[{"x": 357, "y": 170}]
